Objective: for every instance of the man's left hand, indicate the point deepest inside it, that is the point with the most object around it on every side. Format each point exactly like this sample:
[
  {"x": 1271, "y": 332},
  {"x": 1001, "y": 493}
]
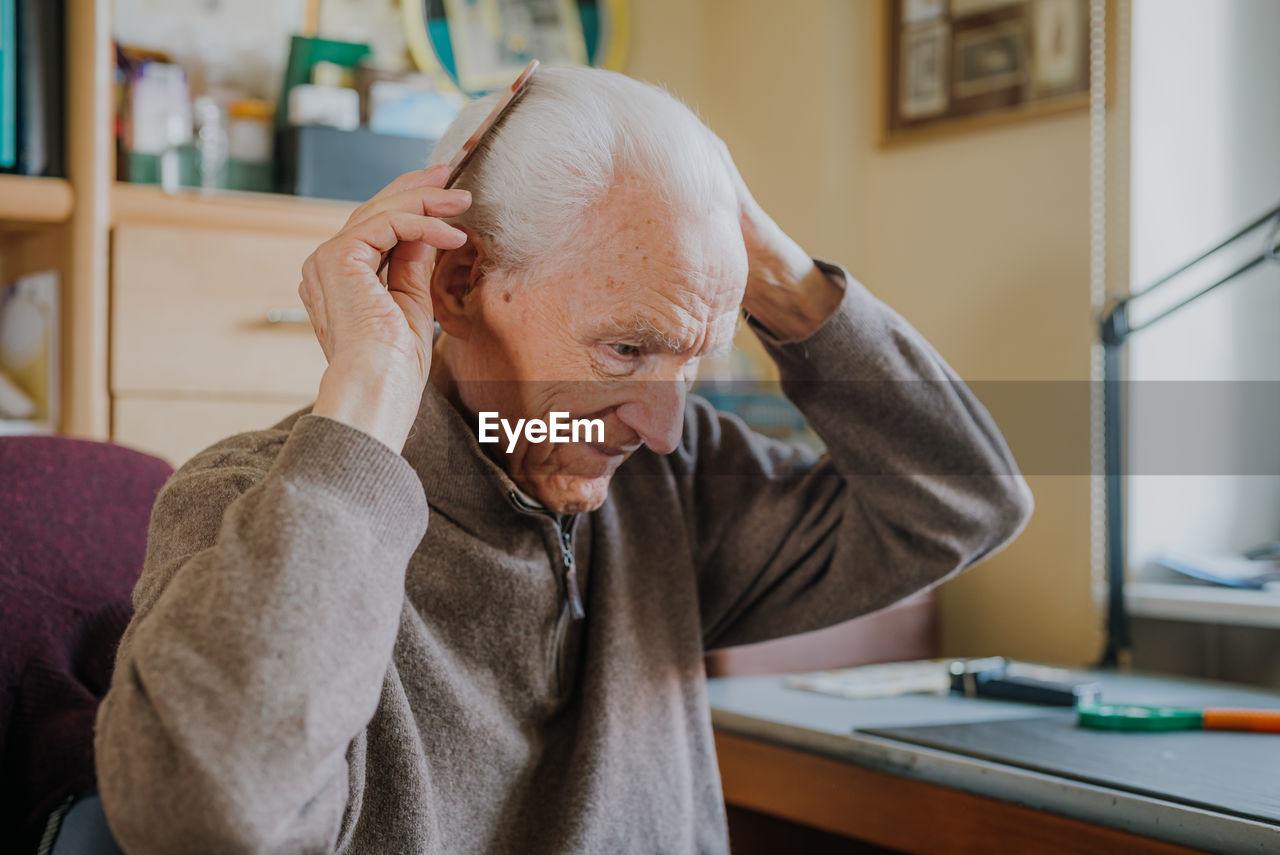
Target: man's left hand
[{"x": 786, "y": 291}]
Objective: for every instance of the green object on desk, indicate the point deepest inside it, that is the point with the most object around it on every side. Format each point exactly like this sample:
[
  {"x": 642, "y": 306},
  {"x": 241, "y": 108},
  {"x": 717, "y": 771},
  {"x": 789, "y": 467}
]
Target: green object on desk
[{"x": 1138, "y": 717}]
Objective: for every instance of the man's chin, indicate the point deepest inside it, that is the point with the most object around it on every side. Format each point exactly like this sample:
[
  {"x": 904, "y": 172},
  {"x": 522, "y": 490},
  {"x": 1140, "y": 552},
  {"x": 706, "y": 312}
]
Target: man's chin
[{"x": 569, "y": 494}]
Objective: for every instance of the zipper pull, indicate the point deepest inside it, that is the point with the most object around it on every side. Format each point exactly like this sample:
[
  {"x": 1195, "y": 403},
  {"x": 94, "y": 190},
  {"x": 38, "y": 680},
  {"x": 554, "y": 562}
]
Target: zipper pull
[
  {"x": 575, "y": 598},
  {"x": 571, "y": 576}
]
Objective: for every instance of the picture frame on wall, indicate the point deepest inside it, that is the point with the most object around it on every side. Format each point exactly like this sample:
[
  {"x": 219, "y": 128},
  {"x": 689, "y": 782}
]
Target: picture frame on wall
[
  {"x": 951, "y": 65},
  {"x": 1060, "y": 30},
  {"x": 990, "y": 60},
  {"x": 924, "y": 71}
]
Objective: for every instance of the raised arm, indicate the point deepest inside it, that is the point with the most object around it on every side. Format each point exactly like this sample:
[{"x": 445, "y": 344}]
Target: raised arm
[
  {"x": 264, "y": 625},
  {"x": 273, "y": 586},
  {"x": 917, "y": 482}
]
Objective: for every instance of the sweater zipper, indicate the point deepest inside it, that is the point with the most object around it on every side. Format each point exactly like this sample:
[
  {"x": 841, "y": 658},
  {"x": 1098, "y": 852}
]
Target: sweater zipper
[{"x": 565, "y": 526}]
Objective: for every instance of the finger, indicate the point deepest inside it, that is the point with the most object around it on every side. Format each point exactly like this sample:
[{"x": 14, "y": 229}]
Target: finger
[
  {"x": 414, "y": 252},
  {"x": 434, "y": 176},
  {"x": 428, "y": 201},
  {"x": 409, "y": 267},
  {"x": 369, "y": 239},
  {"x": 411, "y": 274}
]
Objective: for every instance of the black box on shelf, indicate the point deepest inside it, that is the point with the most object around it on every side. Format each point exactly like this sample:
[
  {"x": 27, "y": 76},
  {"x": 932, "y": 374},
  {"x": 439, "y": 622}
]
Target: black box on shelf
[{"x": 335, "y": 164}]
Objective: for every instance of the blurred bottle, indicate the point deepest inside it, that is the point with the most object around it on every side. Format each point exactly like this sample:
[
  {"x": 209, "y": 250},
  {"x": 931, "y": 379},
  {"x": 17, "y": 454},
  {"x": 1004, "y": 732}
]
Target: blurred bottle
[
  {"x": 211, "y": 141},
  {"x": 249, "y": 131}
]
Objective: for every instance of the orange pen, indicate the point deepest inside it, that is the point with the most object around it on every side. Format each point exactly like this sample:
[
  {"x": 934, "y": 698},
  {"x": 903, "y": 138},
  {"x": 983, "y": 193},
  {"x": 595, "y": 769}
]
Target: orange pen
[
  {"x": 1154, "y": 718},
  {"x": 1225, "y": 718}
]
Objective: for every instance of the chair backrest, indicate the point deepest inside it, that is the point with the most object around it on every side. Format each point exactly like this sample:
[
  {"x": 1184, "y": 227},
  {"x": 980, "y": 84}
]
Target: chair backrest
[
  {"x": 76, "y": 511},
  {"x": 73, "y": 532}
]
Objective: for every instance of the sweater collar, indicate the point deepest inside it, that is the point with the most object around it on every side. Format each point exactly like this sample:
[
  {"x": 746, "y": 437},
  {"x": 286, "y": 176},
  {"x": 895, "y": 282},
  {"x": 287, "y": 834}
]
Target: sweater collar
[{"x": 458, "y": 477}]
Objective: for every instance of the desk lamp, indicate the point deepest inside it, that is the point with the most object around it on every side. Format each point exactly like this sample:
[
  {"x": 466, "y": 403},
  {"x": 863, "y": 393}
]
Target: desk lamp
[{"x": 1114, "y": 330}]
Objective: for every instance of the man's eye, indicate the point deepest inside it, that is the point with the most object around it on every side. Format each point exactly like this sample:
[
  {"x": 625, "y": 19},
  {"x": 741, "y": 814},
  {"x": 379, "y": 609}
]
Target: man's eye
[{"x": 625, "y": 350}]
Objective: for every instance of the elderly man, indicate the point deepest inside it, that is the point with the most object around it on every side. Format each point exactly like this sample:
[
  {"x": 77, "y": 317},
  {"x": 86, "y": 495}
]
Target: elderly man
[{"x": 364, "y": 630}]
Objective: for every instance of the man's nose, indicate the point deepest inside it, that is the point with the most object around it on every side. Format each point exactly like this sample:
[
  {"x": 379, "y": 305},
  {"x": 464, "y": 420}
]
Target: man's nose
[{"x": 655, "y": 412}]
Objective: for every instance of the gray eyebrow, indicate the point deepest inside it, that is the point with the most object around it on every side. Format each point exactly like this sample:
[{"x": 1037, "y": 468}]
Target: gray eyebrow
[{"x": 641, "y": 330}]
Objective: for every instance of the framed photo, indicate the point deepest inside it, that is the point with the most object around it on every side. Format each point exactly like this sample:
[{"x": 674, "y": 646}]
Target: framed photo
[
  {"x": 493, "y": 40},
  {"x": 965, "y": 8},
  {"x": 919, "y": 11},
  {"x": 1059, "y": 32},
  {"x": 990, "y": 59},
  {"x": 924, "y": 71},
  {"x": 969, "y": 63}
]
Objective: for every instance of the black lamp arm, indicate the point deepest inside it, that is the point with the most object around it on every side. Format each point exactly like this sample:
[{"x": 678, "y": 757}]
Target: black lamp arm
[
  {"x": 1114, "y": 329},
  {"x": 1114, "y": 326}
]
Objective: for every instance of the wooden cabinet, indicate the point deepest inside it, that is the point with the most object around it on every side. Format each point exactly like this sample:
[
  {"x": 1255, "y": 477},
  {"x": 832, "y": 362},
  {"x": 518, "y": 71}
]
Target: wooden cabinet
[
  {"x": 208, "y": 337},
  {"x": 176, "y": 428},
  {"x": 166, "y": 342},
  {"x": 210, "y": 312}
]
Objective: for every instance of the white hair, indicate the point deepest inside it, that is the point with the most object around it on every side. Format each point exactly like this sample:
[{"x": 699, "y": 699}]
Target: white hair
[{"x": 557, "y": 152}]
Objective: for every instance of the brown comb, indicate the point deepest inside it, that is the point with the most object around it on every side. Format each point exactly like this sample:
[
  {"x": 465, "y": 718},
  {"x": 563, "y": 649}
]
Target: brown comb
[
  {"x": 505, "y": 103},
  {"x": 463, "y": 157}
]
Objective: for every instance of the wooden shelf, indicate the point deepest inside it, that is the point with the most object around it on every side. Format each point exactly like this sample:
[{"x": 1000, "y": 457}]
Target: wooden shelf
[
  {"x": 270, "y": 212},
  {"x": 23, "y": 427},
  {"x": 27, "y": 200}
]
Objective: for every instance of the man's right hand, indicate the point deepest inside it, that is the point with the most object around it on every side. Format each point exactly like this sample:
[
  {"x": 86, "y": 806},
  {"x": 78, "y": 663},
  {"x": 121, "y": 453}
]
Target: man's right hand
[{"x": 378, "y": 338}]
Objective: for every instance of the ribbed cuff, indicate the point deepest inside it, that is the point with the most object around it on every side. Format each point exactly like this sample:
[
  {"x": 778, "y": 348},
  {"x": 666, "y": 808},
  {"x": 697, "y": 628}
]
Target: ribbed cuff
[{"x": 350, "y": 466}]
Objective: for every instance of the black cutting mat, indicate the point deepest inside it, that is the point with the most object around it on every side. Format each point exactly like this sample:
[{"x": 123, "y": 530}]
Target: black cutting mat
[{"x": 1233, "y": 773}]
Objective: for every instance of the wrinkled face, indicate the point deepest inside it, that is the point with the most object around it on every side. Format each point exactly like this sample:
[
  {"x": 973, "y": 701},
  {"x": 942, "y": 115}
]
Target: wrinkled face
[{"x": 615, "y": 335}]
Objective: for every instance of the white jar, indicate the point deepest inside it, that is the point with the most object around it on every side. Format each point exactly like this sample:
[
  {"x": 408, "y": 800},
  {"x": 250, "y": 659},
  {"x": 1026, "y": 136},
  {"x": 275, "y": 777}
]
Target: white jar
[{"x": 249, "y": 131}]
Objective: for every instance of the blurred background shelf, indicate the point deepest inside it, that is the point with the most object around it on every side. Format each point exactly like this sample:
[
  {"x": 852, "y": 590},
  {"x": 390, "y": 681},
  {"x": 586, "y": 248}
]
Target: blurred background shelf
[
  {"x": 27, "y": 201},
  {"x": 19, "y": 427},
  {"x": 1208, "y": 603},
  {"x": 148, "y": 204}
]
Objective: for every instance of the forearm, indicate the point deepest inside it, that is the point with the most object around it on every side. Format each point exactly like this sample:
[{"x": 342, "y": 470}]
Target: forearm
[
  {"x": 371, "y": 399},
  {"x": 255, "y": 660},
  {"x": 901, "y": 425}
]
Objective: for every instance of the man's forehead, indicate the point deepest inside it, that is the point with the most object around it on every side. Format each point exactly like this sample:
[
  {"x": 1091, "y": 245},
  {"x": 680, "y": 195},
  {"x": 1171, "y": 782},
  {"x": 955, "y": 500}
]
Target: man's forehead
[
  {"x": 635, "y": 215},
  {"x": 683, "y": 258}
]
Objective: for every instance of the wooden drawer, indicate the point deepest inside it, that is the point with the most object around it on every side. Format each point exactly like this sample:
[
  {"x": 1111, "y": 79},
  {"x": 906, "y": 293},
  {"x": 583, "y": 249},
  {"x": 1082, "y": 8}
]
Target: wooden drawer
[
  {"x": 176, "y": 429},
  {"x": 190, "y": 307}
]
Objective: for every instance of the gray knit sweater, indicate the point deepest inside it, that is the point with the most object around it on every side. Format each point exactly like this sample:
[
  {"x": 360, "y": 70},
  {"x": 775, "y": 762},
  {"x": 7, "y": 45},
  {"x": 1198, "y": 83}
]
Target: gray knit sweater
[{"x": 339, "y": 648}]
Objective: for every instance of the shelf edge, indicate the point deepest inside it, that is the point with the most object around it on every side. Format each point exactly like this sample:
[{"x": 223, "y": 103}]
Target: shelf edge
[
  {"x": 148, "y": 204},
  {"x": 28, "y": 199}
]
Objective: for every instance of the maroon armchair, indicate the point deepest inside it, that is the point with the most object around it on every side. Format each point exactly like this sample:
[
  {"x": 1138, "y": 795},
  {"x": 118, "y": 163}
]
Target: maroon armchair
[{"x": 73, "y": 528}]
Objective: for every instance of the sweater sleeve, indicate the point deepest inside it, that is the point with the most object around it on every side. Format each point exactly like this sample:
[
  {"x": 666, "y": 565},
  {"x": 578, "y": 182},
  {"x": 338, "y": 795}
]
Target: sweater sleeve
[
  {"x": 916, "y": 484},
  {"x": 265, "y": 619}
]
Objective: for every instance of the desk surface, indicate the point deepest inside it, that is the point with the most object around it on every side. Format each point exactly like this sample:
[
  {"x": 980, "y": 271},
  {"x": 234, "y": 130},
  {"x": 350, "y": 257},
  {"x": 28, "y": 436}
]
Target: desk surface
[{"x": 1215, "y": 791}]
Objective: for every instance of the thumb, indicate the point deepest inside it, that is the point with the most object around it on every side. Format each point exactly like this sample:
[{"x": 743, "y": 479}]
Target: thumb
[{"x": 437, "y": 175}]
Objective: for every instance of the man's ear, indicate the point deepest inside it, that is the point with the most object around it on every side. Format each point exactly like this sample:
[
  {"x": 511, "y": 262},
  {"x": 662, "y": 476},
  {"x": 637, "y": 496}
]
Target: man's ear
[{"x": 457, "y": 273}]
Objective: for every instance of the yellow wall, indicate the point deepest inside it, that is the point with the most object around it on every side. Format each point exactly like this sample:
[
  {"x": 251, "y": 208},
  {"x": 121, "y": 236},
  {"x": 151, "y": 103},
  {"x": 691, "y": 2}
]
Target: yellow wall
[{"x": 980, "y": 239}]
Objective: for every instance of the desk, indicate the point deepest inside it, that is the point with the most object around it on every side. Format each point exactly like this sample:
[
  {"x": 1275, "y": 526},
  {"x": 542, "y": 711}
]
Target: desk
[{"x": 926, "y": 773}]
